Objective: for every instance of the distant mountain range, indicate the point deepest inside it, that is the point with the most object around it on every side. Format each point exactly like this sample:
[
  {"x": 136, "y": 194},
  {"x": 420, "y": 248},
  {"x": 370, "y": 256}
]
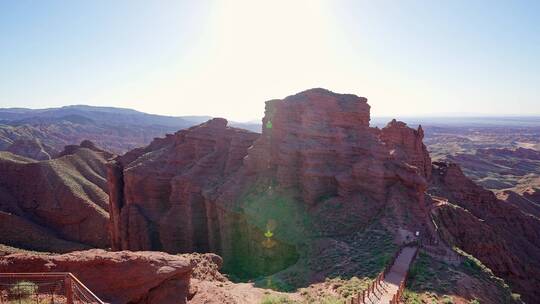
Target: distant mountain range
[
  {"x": 41, "y": 133},
  {"x": 103, "y": 115},
  {"x": 115, "y": 129}
]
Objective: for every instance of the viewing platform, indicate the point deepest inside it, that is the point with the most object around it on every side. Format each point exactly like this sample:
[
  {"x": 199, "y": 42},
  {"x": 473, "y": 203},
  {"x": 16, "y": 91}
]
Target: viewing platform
[{"x": 44, "y": 288}]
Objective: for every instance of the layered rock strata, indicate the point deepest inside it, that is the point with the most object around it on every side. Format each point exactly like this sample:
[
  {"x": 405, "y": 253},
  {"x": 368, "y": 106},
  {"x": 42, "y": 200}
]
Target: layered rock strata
[{"x": 216, "y": 188}]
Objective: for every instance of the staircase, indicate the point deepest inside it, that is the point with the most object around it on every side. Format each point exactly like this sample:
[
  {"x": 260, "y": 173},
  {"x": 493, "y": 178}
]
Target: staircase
[
  {"x": 389, "y": 285},
  {"x": 46, "y": 287}
]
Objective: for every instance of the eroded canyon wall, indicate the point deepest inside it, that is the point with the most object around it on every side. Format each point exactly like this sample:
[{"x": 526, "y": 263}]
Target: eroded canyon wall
[
  {"x": 501, "y": 235},
  {"x": 255, "y": 198},
  {"x": 161, "y": 196}
]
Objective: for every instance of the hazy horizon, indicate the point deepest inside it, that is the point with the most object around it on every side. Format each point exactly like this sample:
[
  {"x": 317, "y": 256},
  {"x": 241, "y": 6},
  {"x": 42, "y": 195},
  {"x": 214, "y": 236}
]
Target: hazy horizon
[
  {"x": 377, "y": 119},
  {"x": 224, "y": 59}
]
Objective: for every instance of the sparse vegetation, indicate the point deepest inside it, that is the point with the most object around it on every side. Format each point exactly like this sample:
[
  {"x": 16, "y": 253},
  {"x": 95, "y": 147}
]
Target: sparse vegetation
[
  {"x": 447, "y": 300},
  {"x": 412, "y": 297},
  {"x": 420, "y": 272},
  {"x": 351, "y": 287},
  {"x": 271, "y": 299},
  {"x": 23, "y": 290},
  {"x": 434, "y": 281}
]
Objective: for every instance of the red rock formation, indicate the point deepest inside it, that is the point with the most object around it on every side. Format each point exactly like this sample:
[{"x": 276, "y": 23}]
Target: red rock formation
[
  {"x": 119, "y": 277},
  {"x": 501, "y": 235},
  {"x": 160, "y": 196},
  {"x": 72, "y": 149},
  {"x": 203, "y": 189},
  {"x": 407, "y": 144},
  {"x": 66, "y": 197},
  {"x": 195, "y": 191},
  {"x": 320, "y": 143}
]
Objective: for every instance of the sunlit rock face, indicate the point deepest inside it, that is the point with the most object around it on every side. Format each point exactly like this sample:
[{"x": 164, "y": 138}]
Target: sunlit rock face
[
  {"x": 320, "y": 143},
  {"x": 258, "y": 200}
]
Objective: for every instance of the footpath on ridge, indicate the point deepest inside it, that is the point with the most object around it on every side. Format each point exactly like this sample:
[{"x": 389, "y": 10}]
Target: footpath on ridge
[{"x": 388, "y": 288}]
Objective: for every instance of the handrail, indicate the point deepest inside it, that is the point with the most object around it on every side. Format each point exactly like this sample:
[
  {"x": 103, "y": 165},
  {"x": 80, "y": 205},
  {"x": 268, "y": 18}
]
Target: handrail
[
  {"x": 67, "y": 286},
  {"x": 81, "y": 285},
  {"x": 401, "y": 289},
  {"x": 360, "y": 298}
]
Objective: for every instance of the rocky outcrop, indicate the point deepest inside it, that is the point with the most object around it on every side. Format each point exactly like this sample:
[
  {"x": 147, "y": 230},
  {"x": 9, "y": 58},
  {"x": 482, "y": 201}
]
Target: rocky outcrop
[
  {"x": 501, "y": 235},
  {"x": 161, "y": 196},
  {"x": 256, "y": 199},
  {"x": 63, "y": 198},
  {"x": 320, "y": 143},
  {"x": 407, "y": 144},
  {"x": 73, "y": 149},
  {"x": 118, "y": 277}
]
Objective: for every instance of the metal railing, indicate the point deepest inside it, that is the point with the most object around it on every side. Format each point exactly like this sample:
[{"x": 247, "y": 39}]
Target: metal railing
[{"x": 44, "y": 288}]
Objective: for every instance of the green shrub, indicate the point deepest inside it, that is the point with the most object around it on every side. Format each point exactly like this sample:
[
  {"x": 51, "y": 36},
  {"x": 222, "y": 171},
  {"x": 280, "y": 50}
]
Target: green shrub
[
  {"x": 420, "y": 272},
  {"x": 351, "y": 287},
  {"x": 412, "y": 297},
  {"x": 448, "y": 300},
  {"x": 23, "y": 290},
  {"x": 331, "y": 300},
  {"x": 472, "y": 265},
  {"x": 516, "y": 297},
  {"x": 277, "y": 300}
]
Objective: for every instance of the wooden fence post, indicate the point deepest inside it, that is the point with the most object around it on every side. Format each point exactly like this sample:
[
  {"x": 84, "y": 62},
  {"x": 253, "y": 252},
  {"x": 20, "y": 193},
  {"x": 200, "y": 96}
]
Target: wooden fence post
[{"x": 69, "y": 289}]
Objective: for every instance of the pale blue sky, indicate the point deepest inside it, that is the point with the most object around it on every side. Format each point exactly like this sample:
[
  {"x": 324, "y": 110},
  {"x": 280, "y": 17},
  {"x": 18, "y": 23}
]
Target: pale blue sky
[{"x": 225, "y": 58}]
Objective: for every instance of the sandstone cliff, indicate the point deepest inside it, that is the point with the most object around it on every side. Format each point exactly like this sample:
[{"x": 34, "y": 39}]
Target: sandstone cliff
[
  {"x": 160, "y": 197},
  {"x": 255, "y": 199}
]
